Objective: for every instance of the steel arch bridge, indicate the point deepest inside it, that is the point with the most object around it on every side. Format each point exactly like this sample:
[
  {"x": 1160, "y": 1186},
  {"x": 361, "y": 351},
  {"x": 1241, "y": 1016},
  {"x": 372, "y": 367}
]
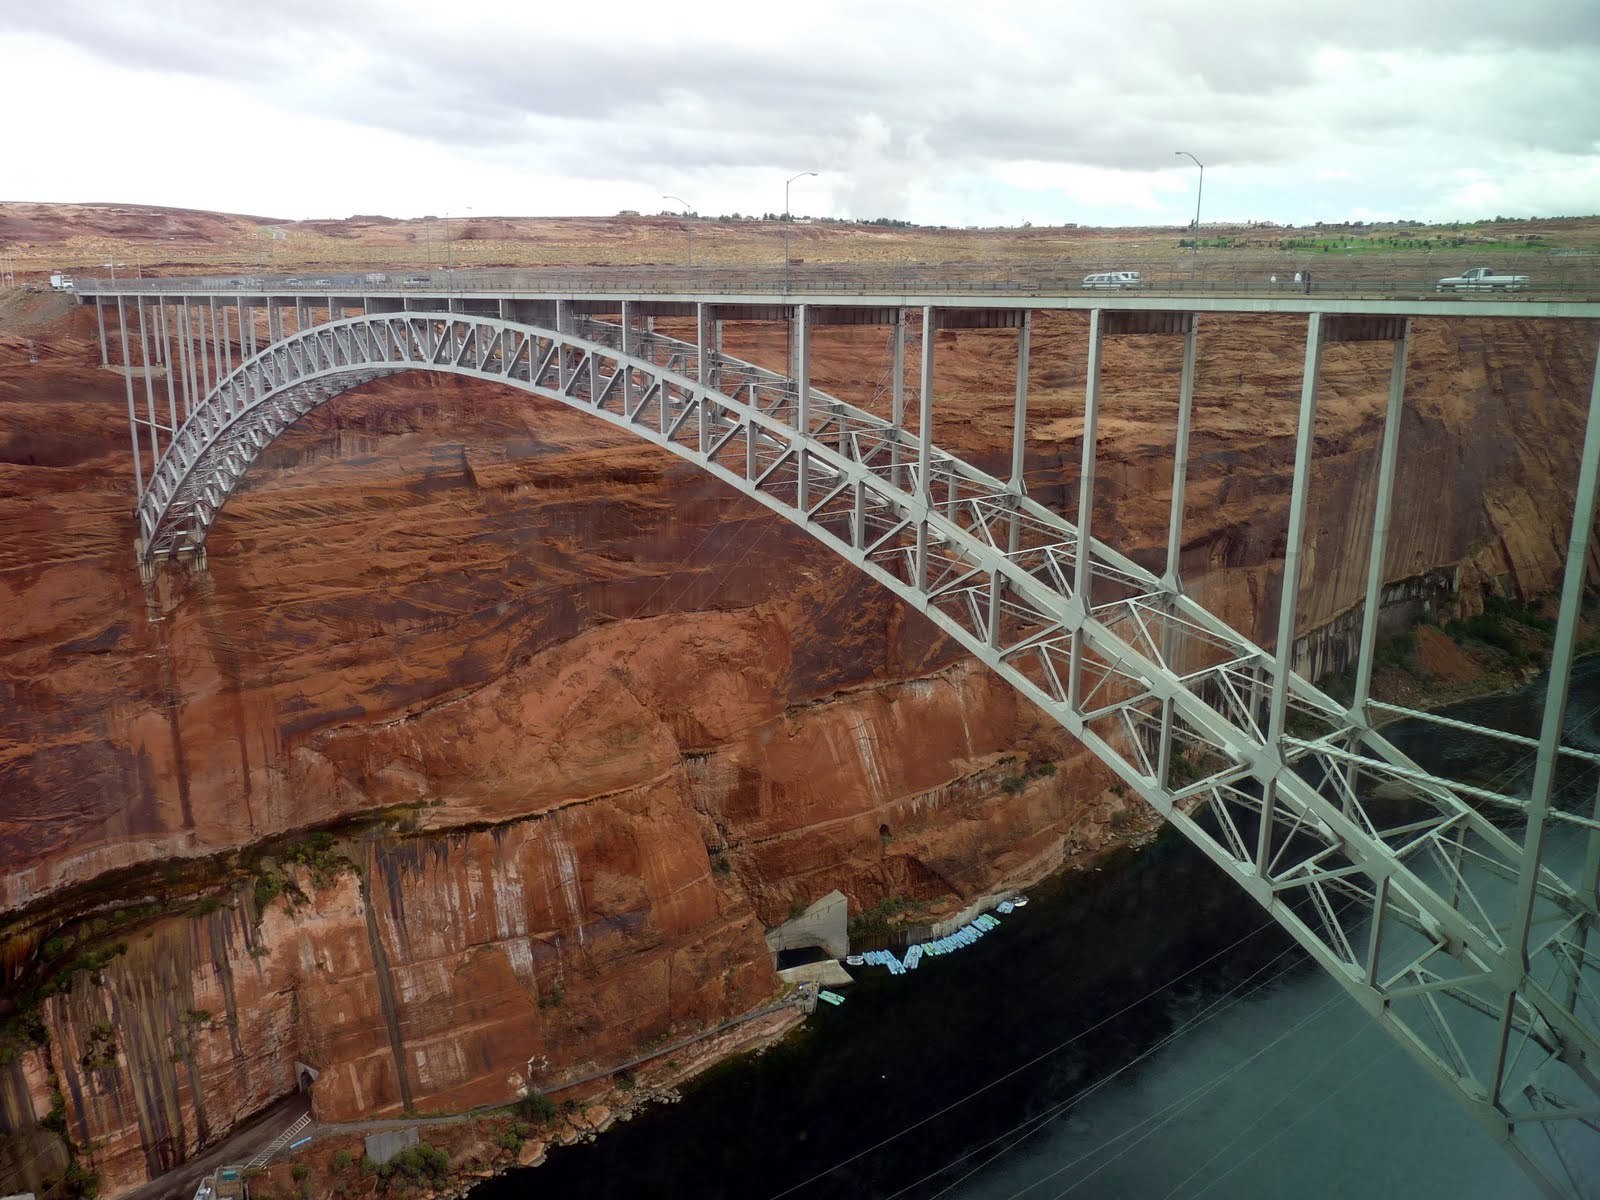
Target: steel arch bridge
[{"x": 1458, "y": 934}]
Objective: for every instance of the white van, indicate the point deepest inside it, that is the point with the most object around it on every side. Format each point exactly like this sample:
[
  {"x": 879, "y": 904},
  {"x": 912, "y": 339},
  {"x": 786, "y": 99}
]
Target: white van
[{"x": 1114, "y": 279}]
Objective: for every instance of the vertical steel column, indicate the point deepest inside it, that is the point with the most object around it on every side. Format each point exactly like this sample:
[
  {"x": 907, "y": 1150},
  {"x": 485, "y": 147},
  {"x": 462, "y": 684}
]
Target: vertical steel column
[
  {"x": 192, "y": 395},
  {"x": 133, "y": 417},
  {"x": 149, "y": 388},
  {"x": 220, "y": 339},
  {"x": 564, "y": 368},
  {"x": 800, "y": 339},
  {"x": 1278, "y": 701},
  {"x": 897, "y": 410},
  {"x": 702, "y": 343},
  {"x": 716, "y": 351},
  {"x": 201, "y": 351},
  {"x": 1180, "y": 462},
  {"x": 1380, "y": 527},
  {"x": 1082, "y": 576},
  {"x": 172, "y": 387},
  {"x": 1170, "y": 579},
  {"x": 628, "y": 349},
  {"x": 1019, "y": 434},
  {"x": 1557, "y": 685},
  {"x": 100, "y": 319},
  {"x": 1305, "y": 447},
  {"x": 704, "y": 357},
  {"x": 218, "y": 346},
  {"x": 925, "y": 447}
]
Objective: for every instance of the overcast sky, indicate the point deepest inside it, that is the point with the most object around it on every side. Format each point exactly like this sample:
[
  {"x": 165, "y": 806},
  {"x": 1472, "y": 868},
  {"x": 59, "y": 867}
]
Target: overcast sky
[{"x": 978, "y": 112}]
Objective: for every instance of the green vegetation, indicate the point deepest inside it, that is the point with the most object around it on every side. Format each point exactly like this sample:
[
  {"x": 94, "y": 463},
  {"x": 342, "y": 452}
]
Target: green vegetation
[
  {"x": 1510, "y": 627},
  {"x": 881, "y": 915},
  {"x": 80, "y": 1182},
  {"x": 100, "y": 1051},
  {"x": 537, "y": 1108},
  {"x": 316, "y": 852},
  {"x": 341, "y": 1160},
  {"x": 300, "y": 1171},
  {"x": 416, "y": 1164},
  {"x": 797, "y": 907},
  {"x": 554, "y": 998},
  {"x": 1012, "y": 784}
]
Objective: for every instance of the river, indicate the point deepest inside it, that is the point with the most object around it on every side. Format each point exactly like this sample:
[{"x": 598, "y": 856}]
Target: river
[{"x": 1139, "y": 1030}]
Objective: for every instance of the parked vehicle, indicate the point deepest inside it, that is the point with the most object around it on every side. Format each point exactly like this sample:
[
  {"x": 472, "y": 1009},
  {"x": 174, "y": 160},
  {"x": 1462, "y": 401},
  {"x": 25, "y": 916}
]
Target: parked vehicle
[
  {"x": 1482, "y": 279},
  {"x": 415, "y": 280},
  {"x": 1114, "y": 279},
  {"x": 61, "y": 283},
  {"x": 376, "y": 277},
  {"x": 322, "y": 283}
]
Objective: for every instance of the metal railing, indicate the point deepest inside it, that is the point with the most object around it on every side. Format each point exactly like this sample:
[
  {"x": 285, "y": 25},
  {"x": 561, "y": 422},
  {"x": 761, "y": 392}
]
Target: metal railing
[{"x": 1555, "y": 277}]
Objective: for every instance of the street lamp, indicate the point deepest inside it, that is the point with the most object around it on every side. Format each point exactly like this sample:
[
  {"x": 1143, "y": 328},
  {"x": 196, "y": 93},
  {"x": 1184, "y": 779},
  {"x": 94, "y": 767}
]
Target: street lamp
[
  {"x": 786, "y": 184},
  {"x": 687, "y": 228},
  {"x": 449, "y": 241},
  {"x": 1194, "y": 242}
]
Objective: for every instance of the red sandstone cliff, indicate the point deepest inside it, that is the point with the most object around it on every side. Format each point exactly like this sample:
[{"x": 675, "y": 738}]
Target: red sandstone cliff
[{"x": 583, "y": 721}]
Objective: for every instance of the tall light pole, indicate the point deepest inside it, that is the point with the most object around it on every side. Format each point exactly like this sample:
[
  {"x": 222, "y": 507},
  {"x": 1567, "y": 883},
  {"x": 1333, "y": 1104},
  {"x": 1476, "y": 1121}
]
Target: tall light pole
[
  {"x": 687, "y": 227},
  {"x": 449, "y": 240},
  {"x": 786, "y": 184},
  {"x": 1194, "y": 242}
]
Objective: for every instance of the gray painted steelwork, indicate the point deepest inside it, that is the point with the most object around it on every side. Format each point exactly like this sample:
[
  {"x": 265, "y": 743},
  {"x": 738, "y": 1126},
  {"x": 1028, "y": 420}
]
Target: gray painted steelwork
[{"x": 1462, "y": 939}]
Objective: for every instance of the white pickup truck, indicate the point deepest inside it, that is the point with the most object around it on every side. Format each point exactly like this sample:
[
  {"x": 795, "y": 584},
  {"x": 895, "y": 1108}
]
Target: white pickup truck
[{"x": 1482, "y": 279}]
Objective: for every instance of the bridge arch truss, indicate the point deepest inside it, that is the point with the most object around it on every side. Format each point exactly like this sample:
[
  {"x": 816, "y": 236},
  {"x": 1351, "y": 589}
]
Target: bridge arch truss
[{"x": 1452, "y": 928}]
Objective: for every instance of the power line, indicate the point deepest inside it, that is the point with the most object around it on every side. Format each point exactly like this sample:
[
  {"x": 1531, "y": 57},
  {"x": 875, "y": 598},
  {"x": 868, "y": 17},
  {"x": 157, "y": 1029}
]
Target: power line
[
  {"x": 1165, "y": 1115},
  {"x": 954, "y": 1104},
  {"x": 1041, "y": 1119}
]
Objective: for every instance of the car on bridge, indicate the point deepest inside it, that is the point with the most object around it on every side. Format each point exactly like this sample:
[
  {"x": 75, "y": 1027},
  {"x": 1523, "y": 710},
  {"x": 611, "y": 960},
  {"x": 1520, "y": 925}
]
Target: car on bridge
[
  {"x": 1114, "y": 279},
  {"x": 1482, "y": 279},
  {"x": 414, "y": 280}
]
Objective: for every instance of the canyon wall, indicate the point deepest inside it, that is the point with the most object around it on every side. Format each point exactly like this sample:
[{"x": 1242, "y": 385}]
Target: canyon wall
[{"x": 575, "y": 722}]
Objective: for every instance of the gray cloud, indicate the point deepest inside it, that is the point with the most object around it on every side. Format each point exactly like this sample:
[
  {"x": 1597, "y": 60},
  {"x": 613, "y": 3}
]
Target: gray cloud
[{"x": 887, "y": 97}]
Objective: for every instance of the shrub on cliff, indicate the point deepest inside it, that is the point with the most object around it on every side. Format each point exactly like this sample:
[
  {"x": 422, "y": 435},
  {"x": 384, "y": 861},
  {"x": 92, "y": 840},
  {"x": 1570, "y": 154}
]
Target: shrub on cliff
[
  {"x": 422, "y": 1161},
  {"x": 537, "y": 1107}
]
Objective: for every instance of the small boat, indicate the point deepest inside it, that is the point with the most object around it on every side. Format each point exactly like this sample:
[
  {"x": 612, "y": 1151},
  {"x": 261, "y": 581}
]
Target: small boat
[
  {"x": 1019, "y": 902},
  {"x": 831, "y": 997},
  {"x": 855, "y": 960},
  {"x": 1005, "y": 907}
]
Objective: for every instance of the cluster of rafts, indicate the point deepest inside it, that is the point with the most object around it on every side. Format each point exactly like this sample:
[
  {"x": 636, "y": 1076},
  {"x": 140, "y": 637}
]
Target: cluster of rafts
[{"x": 915, "y": 953}]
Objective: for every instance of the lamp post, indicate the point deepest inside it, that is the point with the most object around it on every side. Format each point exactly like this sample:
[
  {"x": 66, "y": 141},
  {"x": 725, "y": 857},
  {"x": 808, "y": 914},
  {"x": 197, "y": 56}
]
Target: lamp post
[
  {"x": 1194, "y": 242},
  {"x": 449, "y": 241},
  {"x": 786, "y": 184},
  {"x": 687, "y": 228}
]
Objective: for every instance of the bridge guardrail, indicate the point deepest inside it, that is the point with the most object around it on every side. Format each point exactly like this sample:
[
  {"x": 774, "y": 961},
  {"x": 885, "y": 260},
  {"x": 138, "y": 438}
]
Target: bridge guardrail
[{"x": 1577, "y": 277}]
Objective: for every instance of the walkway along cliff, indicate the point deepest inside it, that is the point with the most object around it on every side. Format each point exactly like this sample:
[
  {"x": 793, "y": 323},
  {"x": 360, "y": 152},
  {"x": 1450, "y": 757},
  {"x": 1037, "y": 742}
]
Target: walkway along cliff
[{"x": 490, "y": 741}]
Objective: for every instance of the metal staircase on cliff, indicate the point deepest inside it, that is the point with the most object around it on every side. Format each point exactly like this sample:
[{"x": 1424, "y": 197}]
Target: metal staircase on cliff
[{"x": 1460, "y": 917}]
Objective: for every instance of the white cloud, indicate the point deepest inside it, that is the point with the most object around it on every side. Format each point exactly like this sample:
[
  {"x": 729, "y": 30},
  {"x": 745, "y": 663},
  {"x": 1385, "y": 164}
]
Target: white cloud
[{"x": 1042, "y": 112}]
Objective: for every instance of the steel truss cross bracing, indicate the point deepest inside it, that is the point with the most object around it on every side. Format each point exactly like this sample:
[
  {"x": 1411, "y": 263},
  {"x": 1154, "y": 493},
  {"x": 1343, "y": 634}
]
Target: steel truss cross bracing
[{"x": 1433, "y": 903}]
